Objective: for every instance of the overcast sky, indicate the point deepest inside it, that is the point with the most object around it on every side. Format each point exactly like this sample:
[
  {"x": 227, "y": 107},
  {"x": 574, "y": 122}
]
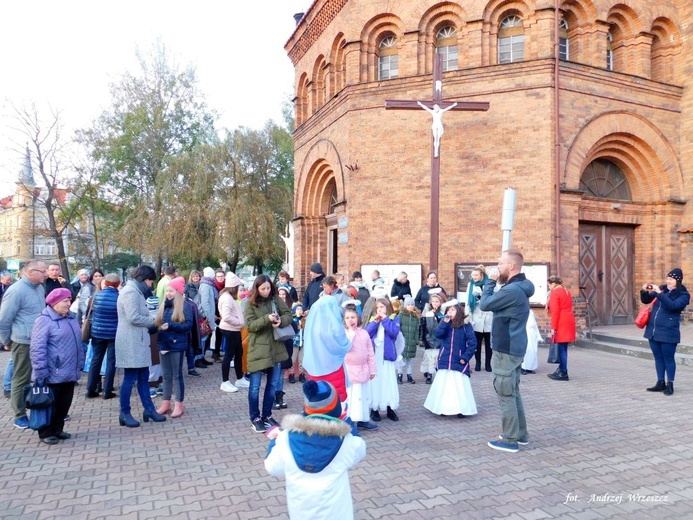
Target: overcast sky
[{"x": 65, "y": 55}]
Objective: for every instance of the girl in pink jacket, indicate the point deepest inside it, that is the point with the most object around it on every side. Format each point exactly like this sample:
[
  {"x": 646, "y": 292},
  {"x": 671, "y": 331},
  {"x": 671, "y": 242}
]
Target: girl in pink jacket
[{"x": 360, "y": 366}]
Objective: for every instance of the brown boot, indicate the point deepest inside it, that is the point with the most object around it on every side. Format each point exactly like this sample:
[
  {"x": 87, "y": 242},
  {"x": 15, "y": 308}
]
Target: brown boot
[
  {"x": 164, "y": 408},
  {"x": 178, "y": 410}
]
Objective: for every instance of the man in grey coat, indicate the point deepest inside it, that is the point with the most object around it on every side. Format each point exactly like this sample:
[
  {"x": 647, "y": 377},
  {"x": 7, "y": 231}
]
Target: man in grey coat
[
  {"x": 21, "y": 305},
  {"x": 510, "y": 307}
]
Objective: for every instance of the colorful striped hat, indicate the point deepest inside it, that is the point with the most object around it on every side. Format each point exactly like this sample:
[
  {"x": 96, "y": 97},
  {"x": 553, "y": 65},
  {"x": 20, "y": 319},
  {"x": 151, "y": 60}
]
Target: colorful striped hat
[{"x": 321, "y": 398}]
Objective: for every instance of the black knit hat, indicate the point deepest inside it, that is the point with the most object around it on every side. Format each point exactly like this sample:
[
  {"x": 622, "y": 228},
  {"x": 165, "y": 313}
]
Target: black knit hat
[
  {"x": 676, "y": 274},
  {"x": 316, "y": 268}
]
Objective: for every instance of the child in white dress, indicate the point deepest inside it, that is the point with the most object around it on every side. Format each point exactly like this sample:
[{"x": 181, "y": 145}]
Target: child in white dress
[
  {"x": 451, "y": 393},
  {"x": 384, "y": 330},
  {"x": 360, "y": 365}
]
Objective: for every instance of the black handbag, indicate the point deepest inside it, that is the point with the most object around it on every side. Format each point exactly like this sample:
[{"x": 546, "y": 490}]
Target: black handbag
[
  {"x": 553, "y": 354},
  {"x": 38, "y": 396}
]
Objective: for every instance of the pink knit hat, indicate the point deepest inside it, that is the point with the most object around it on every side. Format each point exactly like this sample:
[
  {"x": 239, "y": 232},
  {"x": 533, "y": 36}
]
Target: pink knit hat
[
  {"x": 58, "y": 295},
  {"x": 177, "y": 284}
]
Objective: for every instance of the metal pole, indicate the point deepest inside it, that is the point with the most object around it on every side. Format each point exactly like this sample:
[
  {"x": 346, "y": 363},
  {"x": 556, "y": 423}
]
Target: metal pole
[{"x": 508, "y": 216}]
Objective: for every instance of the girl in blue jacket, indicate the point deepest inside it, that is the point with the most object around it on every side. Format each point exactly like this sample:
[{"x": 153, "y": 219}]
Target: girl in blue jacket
[
  {"x": 174, "y": 321},
  {"x": 451, "y": 392}
]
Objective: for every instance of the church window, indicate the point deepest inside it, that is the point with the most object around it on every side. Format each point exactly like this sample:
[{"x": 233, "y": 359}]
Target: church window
[
  {"x": 563, "y": 42},
  {"x": 604, "y": 180},
  {"x": 609, "y": 51},
  {"x": 333, "y": 198},
  {"x": 511, "y": 40},
  {"x": 388, "y": 63},
  {"x": 446, "y": 44}
]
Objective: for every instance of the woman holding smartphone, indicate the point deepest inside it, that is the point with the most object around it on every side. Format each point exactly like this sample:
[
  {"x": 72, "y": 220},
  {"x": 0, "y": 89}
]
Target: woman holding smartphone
[{"x": 264, "y": 312}]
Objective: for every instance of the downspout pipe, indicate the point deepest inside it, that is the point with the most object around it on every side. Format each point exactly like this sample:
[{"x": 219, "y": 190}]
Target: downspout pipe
[{"x": 557, "y": 132}]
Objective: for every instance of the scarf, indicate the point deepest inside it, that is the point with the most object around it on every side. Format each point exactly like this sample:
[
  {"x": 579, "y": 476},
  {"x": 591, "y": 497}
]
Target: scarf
[{"x": 471, "y": 299}]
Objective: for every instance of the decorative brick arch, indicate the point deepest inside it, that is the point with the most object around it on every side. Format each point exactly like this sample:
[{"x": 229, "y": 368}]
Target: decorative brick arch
[
  {"x": 337, "y": 66},
  {"x": 302, "y": 100},
  {"x": 444, "y": 13},
  {"x": 371, "y": 35},
  {"x": 626, "y": 27},
  {"x": 636, "y": 146},
  {"x": 318, "y": 88},
  {"x": 321, "y": 165},
  {"x": 580, "y": 16},
  {"x": 666, "y": 48}
]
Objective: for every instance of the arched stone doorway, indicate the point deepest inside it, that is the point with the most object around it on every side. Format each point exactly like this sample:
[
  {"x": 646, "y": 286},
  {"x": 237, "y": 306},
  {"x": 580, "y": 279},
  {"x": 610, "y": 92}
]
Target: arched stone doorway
[
  {"x": 606, "y": 250},
  {"x": 319, "y": 206},
  {"x": 622, "y": 197}
]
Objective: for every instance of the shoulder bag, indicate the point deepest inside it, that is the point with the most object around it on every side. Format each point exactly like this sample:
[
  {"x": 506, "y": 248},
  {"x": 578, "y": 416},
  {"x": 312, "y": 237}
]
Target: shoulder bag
[
  {"x": 282, "y": 333},
  {"x": 643, "y": 316}
]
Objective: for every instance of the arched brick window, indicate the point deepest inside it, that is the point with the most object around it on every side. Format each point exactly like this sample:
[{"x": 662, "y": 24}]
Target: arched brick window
[
  {"x": 446, "y": 44},
  {"x": 563, "y": 41},
  {"x": 511, "y": 40},
  {"x": 388, "y": 59},
  {"x": 604, "y": 180}
]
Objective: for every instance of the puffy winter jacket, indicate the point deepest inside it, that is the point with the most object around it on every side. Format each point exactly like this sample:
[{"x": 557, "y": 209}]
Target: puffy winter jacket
[
  {"x": 665, "y": 319},
  {"x": 104, "y": 314},
  {"x": 456, "y": 345},
  {"x": 56, "y": 349},
  {"x": 178, "y": 335}
]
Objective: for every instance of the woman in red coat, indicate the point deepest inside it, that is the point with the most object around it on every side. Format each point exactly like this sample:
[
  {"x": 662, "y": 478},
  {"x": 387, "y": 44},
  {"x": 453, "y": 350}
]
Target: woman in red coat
[{"x": 560, "y": 308}]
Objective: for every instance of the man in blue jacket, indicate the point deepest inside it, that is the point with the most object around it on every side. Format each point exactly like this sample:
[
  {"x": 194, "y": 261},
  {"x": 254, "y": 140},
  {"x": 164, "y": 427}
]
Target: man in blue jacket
[
  {"x": 510, "y": 307},
  {"x": 21, "y": 305},
  {"x": 104, "y": 325}
]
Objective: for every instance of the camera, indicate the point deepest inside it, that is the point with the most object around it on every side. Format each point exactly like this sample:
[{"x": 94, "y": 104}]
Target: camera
[{"x": 650, "y": 287}]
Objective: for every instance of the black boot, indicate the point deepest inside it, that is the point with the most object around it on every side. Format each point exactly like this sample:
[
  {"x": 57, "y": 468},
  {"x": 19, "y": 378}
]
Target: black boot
[
  {"x": 399, "y": 379},
  {"x": 375, "y": 416},
  {"x": 560, "y": 376},
  {"x": 279, "y": 403},
  {"x": 659, "y": 387},
  {"x": 477, "y": 367},
  {"x": 429, "y": 378},
  {"x": 410, "y": 379},
  {"x": 669, "y": 390},
  {"x": 391, "y": 414}
]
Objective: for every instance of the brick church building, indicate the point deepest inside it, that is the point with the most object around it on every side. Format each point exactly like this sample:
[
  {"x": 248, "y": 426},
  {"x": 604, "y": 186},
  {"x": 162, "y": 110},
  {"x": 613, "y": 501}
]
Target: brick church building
[{"x": 590, "y": 121}]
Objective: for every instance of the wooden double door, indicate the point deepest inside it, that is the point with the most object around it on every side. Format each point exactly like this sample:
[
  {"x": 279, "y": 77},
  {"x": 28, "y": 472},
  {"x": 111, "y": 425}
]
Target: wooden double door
[{"x": 606, "y": 272}]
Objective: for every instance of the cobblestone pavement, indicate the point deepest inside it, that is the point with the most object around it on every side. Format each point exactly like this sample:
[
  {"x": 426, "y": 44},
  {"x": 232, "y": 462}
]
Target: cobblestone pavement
[{"x": 600, "y": 447}]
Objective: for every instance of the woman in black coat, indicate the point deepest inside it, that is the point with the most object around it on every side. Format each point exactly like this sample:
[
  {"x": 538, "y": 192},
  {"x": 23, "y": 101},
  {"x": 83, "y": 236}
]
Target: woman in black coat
[
  {"x": 400, "y": 287},
  {"x": 662, "y": 329}
]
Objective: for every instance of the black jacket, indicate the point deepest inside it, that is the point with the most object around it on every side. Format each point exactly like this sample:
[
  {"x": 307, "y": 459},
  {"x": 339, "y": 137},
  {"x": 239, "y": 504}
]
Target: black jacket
[
  {"x": 400, "y": 290},
  {"x": 313, "y": 292}
]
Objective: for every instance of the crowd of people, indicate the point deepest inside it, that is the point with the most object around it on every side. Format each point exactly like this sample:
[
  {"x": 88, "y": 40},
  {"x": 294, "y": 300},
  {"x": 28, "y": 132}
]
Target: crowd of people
[{"x": 350, "y": 343}]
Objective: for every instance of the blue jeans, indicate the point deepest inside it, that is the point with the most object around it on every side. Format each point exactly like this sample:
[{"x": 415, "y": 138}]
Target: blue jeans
[
  {"x": 664, "y": 359},
  {"x": 102, "y": 347},
  {"x": 9, "y": 370},
  {"x": 130, "y": 377},
  {"x": 273, "y": 375},
  {"x": 562, "y": 356}
]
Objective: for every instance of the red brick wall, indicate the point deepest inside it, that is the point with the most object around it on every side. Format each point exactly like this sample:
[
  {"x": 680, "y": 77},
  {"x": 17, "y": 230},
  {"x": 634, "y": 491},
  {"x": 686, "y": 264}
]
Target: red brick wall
[{"x": 511, "y": 145}]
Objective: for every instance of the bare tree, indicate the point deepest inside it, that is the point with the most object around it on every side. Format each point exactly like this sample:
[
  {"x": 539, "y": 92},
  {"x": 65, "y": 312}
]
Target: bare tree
[{"x": 46, "y": 149}]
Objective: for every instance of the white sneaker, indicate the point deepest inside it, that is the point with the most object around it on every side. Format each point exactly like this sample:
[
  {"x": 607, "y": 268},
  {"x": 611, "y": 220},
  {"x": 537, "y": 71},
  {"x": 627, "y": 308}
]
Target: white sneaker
[
  {"x": 227, "y": 386},
  {"x": 243, "y": 383}
]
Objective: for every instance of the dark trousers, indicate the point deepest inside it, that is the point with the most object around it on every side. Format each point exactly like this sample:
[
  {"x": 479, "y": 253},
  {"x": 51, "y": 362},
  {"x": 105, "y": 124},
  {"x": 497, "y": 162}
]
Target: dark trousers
[
  {"x": 665, "y": 360},
  {"x": 562, "y": 356},
  {"x": 62, "y": 400},
  {"x": 102, "y": 347},
  {"x": 233, "y": 349},
  {"x": 484, "y": 337}
]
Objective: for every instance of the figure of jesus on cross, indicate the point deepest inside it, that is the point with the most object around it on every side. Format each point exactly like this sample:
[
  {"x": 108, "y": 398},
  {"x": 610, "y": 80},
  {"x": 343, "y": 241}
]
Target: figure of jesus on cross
[{"x": 436, "y": 107}]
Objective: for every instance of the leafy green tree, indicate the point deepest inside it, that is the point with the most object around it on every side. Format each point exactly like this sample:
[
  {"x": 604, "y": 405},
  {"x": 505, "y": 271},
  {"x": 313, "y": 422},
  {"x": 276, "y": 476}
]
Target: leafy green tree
[{"x": 155, "y": 117}]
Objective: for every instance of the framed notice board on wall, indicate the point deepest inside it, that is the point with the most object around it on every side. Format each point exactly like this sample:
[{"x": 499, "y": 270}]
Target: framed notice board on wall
[{"x": 537, "y": 273}]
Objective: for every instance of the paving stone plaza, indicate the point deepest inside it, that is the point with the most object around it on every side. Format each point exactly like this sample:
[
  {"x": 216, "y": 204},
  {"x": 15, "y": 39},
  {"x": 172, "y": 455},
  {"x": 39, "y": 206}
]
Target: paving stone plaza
[{"x": 600, "y": 447}]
